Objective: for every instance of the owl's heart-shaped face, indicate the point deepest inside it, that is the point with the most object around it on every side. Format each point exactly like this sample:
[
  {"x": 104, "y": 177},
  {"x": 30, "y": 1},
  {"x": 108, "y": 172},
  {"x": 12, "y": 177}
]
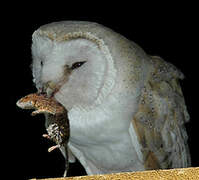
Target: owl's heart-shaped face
[{"x": 75, "y": 69}]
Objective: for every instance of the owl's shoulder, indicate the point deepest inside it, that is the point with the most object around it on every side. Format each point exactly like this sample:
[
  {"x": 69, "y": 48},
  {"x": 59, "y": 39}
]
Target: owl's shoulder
[{"x": 159, "y": 121}]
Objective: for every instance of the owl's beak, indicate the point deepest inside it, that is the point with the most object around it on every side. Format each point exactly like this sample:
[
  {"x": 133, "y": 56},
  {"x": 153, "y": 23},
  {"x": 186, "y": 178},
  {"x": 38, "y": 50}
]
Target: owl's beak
[{"x": 49, "y": 88}]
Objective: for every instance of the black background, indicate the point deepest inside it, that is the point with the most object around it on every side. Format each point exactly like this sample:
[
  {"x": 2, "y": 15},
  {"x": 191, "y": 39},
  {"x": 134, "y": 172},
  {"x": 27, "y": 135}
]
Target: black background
[{"x": 166, "y": 30}]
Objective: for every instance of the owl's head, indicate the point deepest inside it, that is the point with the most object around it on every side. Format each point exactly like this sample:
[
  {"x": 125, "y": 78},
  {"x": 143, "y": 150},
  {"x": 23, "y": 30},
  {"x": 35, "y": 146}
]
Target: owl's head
[{"x": 82, "y": 63}]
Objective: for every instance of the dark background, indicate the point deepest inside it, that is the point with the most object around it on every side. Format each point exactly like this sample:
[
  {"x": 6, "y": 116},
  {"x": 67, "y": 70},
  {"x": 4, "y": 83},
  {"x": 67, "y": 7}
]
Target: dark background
[{"x": 166, "y": 30}]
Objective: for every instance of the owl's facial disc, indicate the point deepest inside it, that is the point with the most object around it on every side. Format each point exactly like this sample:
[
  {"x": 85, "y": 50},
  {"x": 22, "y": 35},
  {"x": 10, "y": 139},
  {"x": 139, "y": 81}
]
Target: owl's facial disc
[
  {"x": 51, "y": 88},
  {"x": 76, "y": 72}
]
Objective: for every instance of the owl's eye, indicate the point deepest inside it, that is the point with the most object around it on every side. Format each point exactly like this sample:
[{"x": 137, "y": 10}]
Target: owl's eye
[{"x": 77, "y": 64}]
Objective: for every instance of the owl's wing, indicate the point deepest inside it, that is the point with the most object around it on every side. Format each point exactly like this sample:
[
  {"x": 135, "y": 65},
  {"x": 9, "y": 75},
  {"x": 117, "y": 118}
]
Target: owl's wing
[{"x": 159, "y": 121}]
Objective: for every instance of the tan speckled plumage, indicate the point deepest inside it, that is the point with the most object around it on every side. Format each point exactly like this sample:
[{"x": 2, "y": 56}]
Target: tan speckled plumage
[{"x": 162, "y": 113}]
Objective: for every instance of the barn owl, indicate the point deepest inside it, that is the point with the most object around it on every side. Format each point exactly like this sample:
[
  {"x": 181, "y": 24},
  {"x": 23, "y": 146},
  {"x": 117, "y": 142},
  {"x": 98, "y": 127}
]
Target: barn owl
[{"x": 126, "y": 108}]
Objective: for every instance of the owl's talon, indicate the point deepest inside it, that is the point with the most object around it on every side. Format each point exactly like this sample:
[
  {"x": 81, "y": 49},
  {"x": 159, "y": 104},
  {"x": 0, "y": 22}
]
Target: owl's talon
[{"x": 53, "y": 148}]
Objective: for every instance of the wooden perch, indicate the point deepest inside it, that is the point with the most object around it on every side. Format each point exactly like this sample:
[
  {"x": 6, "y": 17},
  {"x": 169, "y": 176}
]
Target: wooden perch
[{"x": 171, "y": 174}]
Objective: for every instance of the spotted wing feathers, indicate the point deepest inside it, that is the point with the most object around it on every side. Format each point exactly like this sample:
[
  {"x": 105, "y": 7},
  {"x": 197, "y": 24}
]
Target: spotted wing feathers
[{"x": 159, "y": 121}]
